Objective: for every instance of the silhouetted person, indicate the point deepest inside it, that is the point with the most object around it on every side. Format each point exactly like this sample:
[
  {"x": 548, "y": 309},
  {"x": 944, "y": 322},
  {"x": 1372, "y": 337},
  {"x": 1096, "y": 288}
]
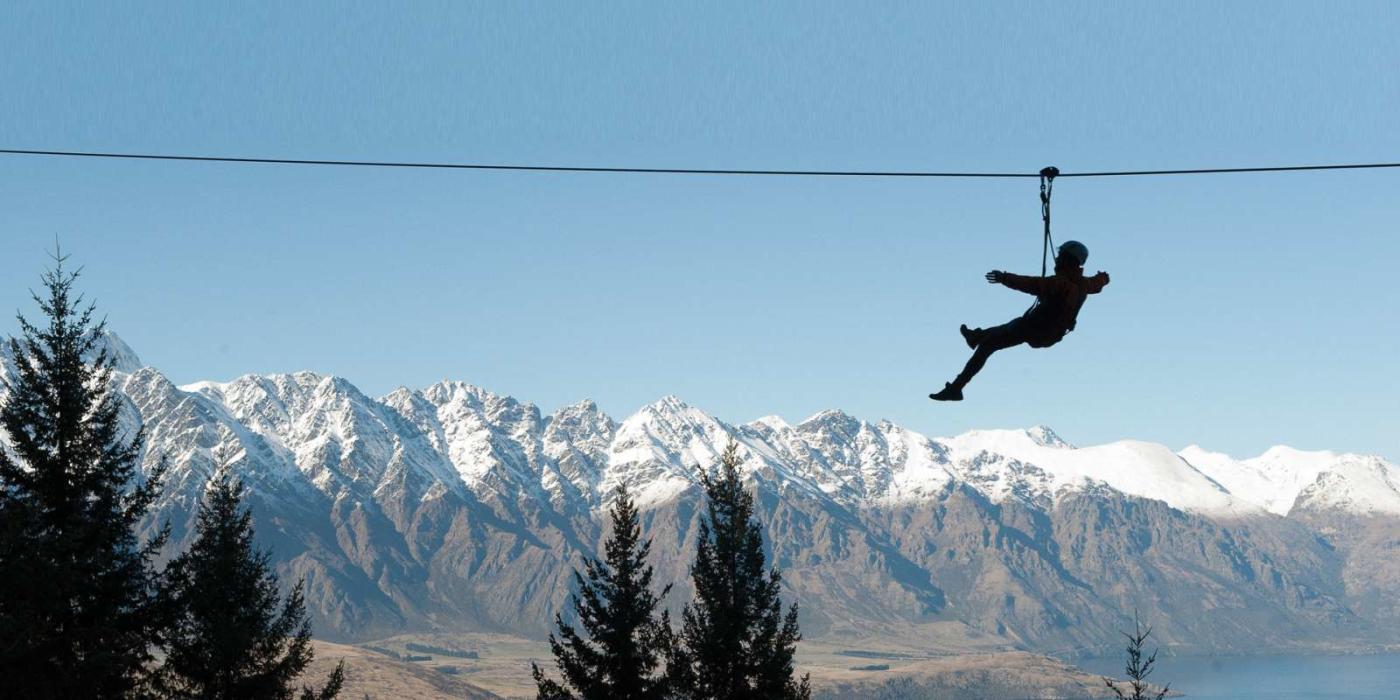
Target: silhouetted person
[{"x": 1058, "y": 300}]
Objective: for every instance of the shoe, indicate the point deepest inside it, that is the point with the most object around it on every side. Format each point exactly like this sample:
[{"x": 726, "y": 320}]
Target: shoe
[
  {"x": 973, "y": 338},
  {"x": 949, "y": 393}
]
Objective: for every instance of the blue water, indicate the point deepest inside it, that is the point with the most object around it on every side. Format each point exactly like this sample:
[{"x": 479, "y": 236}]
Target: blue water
[{"x": 1275, "y": 677}]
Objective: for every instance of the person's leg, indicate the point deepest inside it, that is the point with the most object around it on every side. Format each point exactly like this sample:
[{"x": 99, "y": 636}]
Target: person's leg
[
  {"x": 990, "y": 340},
  {"x": 972, "y": 336}
]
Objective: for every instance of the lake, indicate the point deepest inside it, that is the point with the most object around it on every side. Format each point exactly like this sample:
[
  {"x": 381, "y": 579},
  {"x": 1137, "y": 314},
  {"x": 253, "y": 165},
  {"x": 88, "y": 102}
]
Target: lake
[{"x": 1374, "y": 677}]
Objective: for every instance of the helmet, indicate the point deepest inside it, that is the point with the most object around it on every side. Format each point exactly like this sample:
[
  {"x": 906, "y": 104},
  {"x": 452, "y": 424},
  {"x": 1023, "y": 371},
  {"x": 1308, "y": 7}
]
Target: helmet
[{"x": 1075, "y": 250}]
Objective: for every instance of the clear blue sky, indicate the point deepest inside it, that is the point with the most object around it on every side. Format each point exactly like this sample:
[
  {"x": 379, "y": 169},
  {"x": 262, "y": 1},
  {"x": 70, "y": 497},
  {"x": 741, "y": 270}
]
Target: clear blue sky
[{"x": 1245, "y": 310}]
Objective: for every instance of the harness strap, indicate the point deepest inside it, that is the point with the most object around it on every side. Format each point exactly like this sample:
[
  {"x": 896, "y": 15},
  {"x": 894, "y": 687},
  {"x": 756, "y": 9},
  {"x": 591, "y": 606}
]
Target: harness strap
[{"x": 1047, "y": 187}]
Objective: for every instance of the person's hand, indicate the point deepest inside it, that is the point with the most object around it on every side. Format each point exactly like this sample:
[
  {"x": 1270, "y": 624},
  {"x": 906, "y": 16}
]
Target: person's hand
[
  {"x": 1102, "y": 276},
  {"x": 995, "y": 276}
]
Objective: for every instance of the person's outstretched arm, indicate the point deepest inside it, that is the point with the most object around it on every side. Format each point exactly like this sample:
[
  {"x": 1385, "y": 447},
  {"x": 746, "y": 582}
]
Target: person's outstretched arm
[
  {"x": 1098, "y": 282},
  {"x": 1020, "y": 283}
]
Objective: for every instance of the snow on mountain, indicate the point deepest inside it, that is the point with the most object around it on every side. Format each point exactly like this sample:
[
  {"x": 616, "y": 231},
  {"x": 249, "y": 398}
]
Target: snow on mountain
[
  {"x": 465, "y": 438},
  {"x": 854, "y": 461},
  {"x": 325, "y": 429},
  {"x": 1284, "y": 479},
  {"x": 1036, "y": 464},
  {"x": 576, "y": 441},
  {"x": 657, "y": 451},
  {"x": 472, "y": 427},
  {"x": 123, "y": 358},
  {"x": 660, "y": 451}
]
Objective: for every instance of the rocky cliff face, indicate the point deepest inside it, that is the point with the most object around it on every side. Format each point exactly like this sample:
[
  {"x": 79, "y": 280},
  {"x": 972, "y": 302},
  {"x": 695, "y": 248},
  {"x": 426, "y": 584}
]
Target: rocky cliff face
[{"x": 453, "y": 508}]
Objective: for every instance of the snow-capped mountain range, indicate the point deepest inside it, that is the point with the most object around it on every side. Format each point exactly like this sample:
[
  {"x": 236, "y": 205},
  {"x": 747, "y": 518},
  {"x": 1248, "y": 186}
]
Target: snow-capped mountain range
[{"x": 454, "y": 508}]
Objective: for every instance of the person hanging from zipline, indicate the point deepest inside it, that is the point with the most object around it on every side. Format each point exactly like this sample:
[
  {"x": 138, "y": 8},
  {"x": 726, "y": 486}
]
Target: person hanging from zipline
[{"x": 1058, "y": 298}]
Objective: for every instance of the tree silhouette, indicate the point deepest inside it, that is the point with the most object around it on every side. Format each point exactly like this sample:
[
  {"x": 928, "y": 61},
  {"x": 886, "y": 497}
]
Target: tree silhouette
[
  {"x": 234, "y": 636},
  {"x": 625, "y": 639},
  {"x": 735, "y": 641},
  {"x": 1138, "y": 668},
  {"x": 79, "y": 603}
]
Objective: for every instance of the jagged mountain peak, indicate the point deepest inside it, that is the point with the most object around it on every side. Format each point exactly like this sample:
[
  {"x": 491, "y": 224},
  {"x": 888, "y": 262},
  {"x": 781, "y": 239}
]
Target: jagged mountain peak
[
  {"x": 676, "y": 429},
  {"x": 400, "y": 394},
  {"x": 672, "y": 407},
  {"x": 1043, "y": 435},
  {"x": 283, "y": 396},
  {"x": 298, "y": 383},
  {"x": 829, "y": 416},
  {"x": 585, "y": 408},
  {"x": 666, "y": 440},
  {"x": 833, "y": 425},
  {"x": 123, "y": 358},
  {"x": 450, "y": 389},
  {"x": 582, "y": 420},
  {"x": 459, "y": 396}
]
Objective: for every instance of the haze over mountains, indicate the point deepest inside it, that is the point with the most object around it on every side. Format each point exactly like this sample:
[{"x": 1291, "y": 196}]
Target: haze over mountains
[{"x": 450, "y": 508}]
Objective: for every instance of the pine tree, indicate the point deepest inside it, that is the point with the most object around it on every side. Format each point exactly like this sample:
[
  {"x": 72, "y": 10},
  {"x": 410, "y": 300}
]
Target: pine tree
[
  {"x": 626, "y": 640},
  {"x": 735, "y": 640},
  {"x": 79, "y": 603},
  {"x": 1137, "y": 667},
  {"x": 234, "y": 636}
]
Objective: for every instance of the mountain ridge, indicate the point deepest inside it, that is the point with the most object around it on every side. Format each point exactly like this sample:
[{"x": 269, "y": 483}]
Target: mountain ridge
[{"x": 453, "y": 507}]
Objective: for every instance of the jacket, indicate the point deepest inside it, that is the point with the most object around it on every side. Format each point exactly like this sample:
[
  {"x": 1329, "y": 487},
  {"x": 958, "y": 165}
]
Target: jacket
[{"x": 1058, "y": 300}]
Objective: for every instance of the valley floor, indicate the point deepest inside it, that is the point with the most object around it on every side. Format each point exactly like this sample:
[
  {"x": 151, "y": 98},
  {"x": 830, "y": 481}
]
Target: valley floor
[{"x": 837, "y": 670}]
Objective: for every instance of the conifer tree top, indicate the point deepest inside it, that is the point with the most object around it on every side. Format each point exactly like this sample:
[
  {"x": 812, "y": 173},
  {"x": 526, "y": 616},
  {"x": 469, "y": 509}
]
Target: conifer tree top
[
  {"x": 735, "y": 640},
  {"x": 617, "y": 653},
  {"x": 235, "y": 635},
  {"x": 79, "y": 591}
]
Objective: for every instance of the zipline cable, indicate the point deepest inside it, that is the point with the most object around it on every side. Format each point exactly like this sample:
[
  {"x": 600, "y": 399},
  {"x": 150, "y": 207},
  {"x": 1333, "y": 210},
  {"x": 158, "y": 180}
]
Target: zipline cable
[
  {"x": 1202, "y": 171},
  {"x": 533, "y": 168},
  {"x": 675, "y": 171}
]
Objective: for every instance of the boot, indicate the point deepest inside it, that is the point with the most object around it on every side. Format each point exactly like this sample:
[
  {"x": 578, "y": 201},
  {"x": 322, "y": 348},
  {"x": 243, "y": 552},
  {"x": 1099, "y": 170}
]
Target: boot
[
  {"x": 949, "y": 393},
  {"x": 972, "y": 337}
]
